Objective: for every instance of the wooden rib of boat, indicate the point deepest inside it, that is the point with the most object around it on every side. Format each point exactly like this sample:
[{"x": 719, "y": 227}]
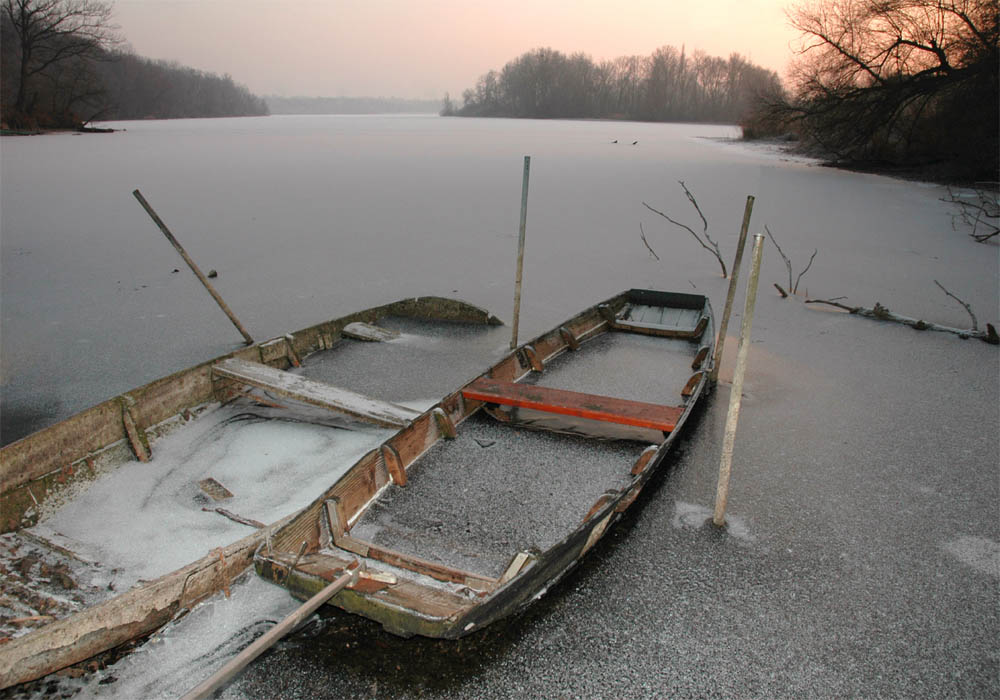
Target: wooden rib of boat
[
  {"x": 477, "y": 506},
  {"x": 42, "y": 470}
]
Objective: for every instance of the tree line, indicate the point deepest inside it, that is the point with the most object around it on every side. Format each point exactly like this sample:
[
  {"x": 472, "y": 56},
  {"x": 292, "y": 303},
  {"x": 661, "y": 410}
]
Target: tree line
[
  {"x": 140, "y": 88},
  {"x": 668, "y": 85},
  {"x": 62, "y": 64}
]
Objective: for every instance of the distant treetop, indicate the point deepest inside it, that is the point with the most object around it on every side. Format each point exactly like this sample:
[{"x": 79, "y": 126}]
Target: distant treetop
[{"x": 668, "y": 85}]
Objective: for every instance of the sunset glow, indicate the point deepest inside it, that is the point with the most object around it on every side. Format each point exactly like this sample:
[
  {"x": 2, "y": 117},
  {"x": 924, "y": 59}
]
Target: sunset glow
[{"x": 424, "y": 49}]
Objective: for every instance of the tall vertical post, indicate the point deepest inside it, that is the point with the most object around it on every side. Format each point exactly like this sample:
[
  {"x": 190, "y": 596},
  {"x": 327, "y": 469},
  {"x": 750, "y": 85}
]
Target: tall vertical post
[
  {"x": 730, "y": 295},
  {"x": 520, "y": 250},
  {"x": 736, "y": 393}
]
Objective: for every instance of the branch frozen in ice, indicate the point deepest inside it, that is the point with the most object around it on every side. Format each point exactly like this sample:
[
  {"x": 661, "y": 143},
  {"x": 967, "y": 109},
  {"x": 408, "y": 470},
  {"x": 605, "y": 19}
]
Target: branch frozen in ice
[
  {"x": 882, "y": 313},
  {"x": 708, "y": 244},
  {"x": 975, "y": 322},
  {"x": 642, "y": 235},
  {"x": 792, "y": 288}
]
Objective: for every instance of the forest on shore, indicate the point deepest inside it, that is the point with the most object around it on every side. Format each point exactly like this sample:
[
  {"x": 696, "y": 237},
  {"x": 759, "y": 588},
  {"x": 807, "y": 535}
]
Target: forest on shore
[
  {"x": 668, "y": 85},
  {"x": 63, "y": 65},
  {"x": 909, "y": 87}
]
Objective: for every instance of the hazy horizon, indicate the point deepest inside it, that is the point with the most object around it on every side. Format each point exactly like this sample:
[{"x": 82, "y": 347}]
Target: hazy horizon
[{"x": 397, "y": 49}]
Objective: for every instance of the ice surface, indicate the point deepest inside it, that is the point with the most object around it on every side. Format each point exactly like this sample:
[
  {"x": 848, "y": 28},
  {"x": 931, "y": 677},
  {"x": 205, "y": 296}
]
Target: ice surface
[
  {"x": 980, "y": 553},
  {"x": 695, "y": 516}
]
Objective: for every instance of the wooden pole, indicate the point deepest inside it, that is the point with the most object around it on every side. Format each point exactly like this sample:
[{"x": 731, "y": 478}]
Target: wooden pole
[
  {"x": 724, "y": 326},
  {"x": 187, "y": 258},
  {"x": 736, "y": 393},
  {"x": 520, "y": 251},
  {"x": 268, "y": 639}
]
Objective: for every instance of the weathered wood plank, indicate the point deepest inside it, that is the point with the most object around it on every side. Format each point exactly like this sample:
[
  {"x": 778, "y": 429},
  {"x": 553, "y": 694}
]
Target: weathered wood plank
[
  {"x": 316, "y": 393},
  {"x": 368, "y": 332},
  {"x": 433, "y": 569},
  {"x": 571, "y": 403},
  {"x": 394, "y": 464}
]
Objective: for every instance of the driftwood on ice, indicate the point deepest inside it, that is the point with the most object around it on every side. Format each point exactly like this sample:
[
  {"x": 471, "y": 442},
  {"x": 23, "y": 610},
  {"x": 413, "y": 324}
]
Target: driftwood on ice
[{"x": 882, "y": 313}]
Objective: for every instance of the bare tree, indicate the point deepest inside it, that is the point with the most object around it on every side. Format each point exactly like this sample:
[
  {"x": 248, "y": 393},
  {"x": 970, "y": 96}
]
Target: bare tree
[
  {"x": 49, "y": 35},
  {"x": 899, "y": 81},
  {"x": 979, "y": 210}
]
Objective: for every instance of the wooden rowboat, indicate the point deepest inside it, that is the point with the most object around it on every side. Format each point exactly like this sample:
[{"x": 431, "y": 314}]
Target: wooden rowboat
[
  {"x": 53, "y": 465},
  {"x": 482, "y": 502}
]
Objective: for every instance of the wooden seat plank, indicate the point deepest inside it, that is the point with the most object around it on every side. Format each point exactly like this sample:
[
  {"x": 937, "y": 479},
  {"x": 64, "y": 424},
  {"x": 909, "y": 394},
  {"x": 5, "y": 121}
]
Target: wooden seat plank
[
  {"x": 683, "y": 331},
  {"x": 571, "y": 403},
  {"x": 297, "y": 387}
]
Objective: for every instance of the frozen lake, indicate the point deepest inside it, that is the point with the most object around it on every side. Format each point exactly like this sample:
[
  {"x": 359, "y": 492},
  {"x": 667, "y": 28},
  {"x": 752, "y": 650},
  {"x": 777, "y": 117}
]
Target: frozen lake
[
  {"x": 306, "y": 218},
  {"x": 867, "y": 477}
]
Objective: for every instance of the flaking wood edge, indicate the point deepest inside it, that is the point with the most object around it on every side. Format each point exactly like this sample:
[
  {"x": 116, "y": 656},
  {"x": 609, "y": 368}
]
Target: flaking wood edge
[{"x": 125, "y": 617}]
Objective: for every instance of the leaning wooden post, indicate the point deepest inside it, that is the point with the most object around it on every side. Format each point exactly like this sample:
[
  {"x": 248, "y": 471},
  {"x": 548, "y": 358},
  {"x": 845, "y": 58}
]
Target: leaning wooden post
[
  {"x": 736, "y": 393},
  {"x": 520, "y": 250},
  {"x": 724, "y": 325},
  {"x": 187, "y": 258}
]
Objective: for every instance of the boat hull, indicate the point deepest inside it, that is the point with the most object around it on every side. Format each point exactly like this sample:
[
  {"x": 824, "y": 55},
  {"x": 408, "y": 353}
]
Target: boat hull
[{"x": 432, "y": 596}]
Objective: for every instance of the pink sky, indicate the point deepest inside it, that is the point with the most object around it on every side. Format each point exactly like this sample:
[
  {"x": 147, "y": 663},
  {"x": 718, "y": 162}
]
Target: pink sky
[{"x": 423, "y": 48}]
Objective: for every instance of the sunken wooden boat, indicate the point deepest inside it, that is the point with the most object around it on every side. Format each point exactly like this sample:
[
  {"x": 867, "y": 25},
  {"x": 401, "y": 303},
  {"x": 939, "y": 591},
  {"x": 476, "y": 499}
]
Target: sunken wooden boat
[
  {"x": 51, "y": 466},
  {"x": 485, "y": 500}
]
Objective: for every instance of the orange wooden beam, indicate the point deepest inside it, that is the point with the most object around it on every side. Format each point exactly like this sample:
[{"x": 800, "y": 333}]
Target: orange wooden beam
[{"x": 571, "y": 403}]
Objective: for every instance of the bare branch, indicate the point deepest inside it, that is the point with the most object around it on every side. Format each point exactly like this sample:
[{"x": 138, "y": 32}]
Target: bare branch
[
  {"x": 808, "y": 265},
  {"x": 788, "y": 263},
  {"x": 694, "y": 203},
  {"x": 708, "y": 244},
  {"x": 792, "y": 288},
  {"x": 982, "y": 214},
  {"x": 642, "y": 235},
  {"x": 975, "y": 323}
]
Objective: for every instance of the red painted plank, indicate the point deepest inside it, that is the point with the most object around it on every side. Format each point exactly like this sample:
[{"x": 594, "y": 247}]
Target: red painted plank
[{"x": 572, "y": 403}]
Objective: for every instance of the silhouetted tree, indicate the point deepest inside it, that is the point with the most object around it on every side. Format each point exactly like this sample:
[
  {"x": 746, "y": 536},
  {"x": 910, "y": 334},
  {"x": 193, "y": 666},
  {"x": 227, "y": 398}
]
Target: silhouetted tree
[
  {"x": 48, "y": 48},
  {"x": 900, "y": 82}
]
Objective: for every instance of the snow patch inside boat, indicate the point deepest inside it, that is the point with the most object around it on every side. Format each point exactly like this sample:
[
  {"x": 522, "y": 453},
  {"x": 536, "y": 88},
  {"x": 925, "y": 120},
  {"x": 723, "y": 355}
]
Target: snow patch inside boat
[{"x": 146, "y": 519}]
